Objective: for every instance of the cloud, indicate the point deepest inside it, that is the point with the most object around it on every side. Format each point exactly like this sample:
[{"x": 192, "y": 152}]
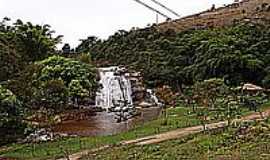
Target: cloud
[{"x": 2, "y": 4}]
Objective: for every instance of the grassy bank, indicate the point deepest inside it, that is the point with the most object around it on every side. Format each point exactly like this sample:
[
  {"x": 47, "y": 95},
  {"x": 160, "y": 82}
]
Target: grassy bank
[
  {"x": 177, "y": 118},
  {"x": 226, "y": 144}
]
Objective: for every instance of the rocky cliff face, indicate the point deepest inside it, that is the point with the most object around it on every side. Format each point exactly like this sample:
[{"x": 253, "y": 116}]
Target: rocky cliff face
[
  {"x": 141, "y": 96},
  {"x": 138, "y": 88},
  {"x": 257, "y": 11},
  {"x": 123, "y": 88}
]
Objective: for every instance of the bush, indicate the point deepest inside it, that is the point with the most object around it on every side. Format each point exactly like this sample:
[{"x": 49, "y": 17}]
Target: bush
[
  {"x": 214, "y": 99},
  {"x": 11, "y": 112},
  {"x": 24, "y": 84},
  {"x": 52, "y": 95},
  {"x": 85, "y": 58}
]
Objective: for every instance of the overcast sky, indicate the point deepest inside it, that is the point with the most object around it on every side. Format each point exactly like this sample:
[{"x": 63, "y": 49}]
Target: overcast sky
[{"x": 76, "y": 19}]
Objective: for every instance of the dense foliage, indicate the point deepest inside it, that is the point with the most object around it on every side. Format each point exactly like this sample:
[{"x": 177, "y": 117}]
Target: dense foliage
[
  {"x": 212, "y": 99},
  {"x": 240, "y": 53},
  {"x": 10, "y": 116},
  {"x": 39, "y": 80},
  {"x": 22, "y": 43},
  {"x": 55, "y": 81}
]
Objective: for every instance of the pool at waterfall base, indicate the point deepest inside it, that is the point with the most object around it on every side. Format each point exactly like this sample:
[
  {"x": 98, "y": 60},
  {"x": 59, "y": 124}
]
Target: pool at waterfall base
[
  {"x": 117, "y": 97},
  {"x": 105, "y": 123}
]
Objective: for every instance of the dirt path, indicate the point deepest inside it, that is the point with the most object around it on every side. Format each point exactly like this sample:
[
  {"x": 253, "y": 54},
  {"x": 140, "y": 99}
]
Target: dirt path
[{"x": 170, "y": 135}]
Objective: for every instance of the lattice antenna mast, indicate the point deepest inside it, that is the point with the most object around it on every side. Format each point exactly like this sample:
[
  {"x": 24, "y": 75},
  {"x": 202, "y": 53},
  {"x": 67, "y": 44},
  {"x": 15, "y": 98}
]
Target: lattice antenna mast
[
  {"x": 153, "y": 9},
  {"x": 165, "y": 7}
]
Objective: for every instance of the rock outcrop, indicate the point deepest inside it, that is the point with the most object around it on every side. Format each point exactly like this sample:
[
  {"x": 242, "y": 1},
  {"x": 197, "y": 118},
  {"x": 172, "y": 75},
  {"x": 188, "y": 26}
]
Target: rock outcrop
[{"x": 142, "y": 97}]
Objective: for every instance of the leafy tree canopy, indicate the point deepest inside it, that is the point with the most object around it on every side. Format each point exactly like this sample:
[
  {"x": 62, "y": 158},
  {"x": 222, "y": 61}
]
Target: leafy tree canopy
[
  {"x": 56, "y": 79},
  {"x": 22, "y": 43},
  {"x": 237, "y": 53}
]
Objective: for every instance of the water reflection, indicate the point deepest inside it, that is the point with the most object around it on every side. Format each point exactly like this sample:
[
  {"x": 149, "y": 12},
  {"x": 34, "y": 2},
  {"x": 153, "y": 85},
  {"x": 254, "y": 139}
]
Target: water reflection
[{"x": 105, "y": 123}]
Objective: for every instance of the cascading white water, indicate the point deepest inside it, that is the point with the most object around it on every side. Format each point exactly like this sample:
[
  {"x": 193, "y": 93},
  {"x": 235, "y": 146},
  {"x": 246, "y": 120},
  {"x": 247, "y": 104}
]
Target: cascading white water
[
  {"x": 116, "y": 89},
  {"x": 154, "y": 98}
]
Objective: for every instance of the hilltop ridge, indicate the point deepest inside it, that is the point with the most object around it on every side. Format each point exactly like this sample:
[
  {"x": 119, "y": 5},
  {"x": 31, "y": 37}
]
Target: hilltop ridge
[{"x": 257, "y": 11}]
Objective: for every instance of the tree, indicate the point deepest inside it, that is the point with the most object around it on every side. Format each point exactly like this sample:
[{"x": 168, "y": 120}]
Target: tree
[
  {"x": 54, "y": 82},
  {"x": 21, "y": 44},
  {"x": 66, "y": 49},
  {"x": 76, "y": 91},
  {"x": 62, "y": 78},
  {"x": 35, "y": 41},
  {"x": 237, "y": 53},
  {"x": 215, "y": 100},
  {"x": 86, "y": 44},
  {"x": 10, "y": 58},
  {"x": 10, "y": 61},
  {"x": 52, "y": 95}
]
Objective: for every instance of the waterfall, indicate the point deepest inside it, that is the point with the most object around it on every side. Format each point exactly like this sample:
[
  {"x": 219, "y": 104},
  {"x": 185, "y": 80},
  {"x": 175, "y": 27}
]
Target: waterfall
[
  {"x": 116, "y": 89},
  {"x": 154, "y": 98}
]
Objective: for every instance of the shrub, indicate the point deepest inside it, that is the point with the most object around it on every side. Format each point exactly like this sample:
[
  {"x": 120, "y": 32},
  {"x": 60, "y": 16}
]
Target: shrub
[
  {"x": 52, "y": 95},
  {"x": 216, "y": 100},
  {"x": 85, "y": 58},
  {"x": 11, "y": 112}
]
